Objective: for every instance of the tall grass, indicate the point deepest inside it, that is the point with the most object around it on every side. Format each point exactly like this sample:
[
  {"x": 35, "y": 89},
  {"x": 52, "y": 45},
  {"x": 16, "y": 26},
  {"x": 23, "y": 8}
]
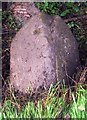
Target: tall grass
[
  {"x": 77, "y": 108},
  {"x": 51, "y": 106}
]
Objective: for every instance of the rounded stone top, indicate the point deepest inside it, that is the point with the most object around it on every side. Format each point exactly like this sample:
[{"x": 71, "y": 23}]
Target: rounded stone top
[{"x": 43, "y": 52}]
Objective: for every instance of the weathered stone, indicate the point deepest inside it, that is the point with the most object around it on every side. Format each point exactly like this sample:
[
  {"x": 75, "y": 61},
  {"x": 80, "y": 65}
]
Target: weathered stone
[{"x": 43, "y": 51}]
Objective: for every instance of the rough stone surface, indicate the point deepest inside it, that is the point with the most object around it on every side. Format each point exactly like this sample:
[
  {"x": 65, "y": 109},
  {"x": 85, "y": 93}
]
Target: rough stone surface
[{"x": 43, "y": 51}]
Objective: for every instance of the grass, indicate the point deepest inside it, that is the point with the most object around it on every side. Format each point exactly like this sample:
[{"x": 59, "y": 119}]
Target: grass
[
  {"x": 77, "y": 108},
  {"x": 52, "y": 105}
]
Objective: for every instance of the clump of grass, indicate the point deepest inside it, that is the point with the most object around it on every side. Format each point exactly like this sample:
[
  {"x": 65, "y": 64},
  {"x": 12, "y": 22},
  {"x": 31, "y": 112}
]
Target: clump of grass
[
  {"x": 53, "y": 105},
  {"x": 77, "y": 107},
  {"x": 48, "y": 107}
]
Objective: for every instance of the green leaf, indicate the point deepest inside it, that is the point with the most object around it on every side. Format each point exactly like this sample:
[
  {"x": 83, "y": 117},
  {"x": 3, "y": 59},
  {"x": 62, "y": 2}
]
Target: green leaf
[
  {"x": 76, "y": 9},
  {"x": 46, "y": 4},
  {"x": 64, "y": 13},
  {"x": 69, "y": 4}
]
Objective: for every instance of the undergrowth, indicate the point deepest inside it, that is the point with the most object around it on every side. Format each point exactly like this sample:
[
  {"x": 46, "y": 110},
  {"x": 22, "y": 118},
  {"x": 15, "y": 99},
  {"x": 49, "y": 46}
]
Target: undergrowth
[
  {"x": 64, "y": 9},
  {"x": 55, "y": 105}
]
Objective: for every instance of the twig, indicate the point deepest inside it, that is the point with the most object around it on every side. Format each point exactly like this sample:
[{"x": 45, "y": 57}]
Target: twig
[{"x": 76, "y": 18}]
